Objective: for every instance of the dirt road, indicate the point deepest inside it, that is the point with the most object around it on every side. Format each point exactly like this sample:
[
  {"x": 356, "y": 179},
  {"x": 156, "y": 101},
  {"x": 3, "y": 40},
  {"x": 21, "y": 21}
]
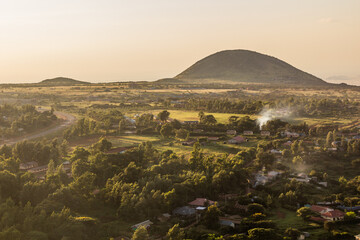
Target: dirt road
[{"x": 67, "y": 120}]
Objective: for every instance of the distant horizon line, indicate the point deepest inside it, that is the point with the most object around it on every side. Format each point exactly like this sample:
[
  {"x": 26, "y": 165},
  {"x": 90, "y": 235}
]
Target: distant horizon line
[{"x": 333, "y": 81}]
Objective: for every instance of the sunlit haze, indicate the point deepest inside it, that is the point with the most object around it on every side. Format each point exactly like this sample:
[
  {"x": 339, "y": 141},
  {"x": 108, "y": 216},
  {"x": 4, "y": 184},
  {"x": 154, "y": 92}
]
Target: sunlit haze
[{"x": 132, "y": 40}]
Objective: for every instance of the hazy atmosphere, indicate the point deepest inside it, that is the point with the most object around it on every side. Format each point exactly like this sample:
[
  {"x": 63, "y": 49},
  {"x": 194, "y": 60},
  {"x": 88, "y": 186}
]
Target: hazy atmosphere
[
  {"x": 122, "y": 40},
  {"x": 179, "y": 119}
]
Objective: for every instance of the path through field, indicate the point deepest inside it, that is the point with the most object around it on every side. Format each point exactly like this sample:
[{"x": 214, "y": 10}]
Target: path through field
[{"x": 67, "y": 120}]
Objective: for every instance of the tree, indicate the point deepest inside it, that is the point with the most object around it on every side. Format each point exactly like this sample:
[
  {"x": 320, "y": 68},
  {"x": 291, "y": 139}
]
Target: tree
[
  {"x": 298, "y": 160},
  {"x": 175, "y": 233},
  {"x": 182, "y": 133},
  {"x": 292, "y": 233},
  {"x": 265, "y": 158},
  {"x": 262, "y": 233},
  {"x": 195, "y": 160},
  {"x": 256, "y": 208},
  {"x": 304, "y": 213},
  {"x": 122, "y": 125},
  {"x": 201, "y": 115},
  {"x": 211, "y": 217},
  {"x": 166, "y": 130},
  {"x": 350, "y": 216},
  {"x": 64, "y": 147},
  {"x": 286, "y": 153},
  {"x": 329, "y": 226},
  {"x": 329, "y": 139},
  {"x": 140, "y": 233},
  {"x": 163, "y": 115},
  {"x": 102, "y": 145},
  {"x": 208, "y": 119}
]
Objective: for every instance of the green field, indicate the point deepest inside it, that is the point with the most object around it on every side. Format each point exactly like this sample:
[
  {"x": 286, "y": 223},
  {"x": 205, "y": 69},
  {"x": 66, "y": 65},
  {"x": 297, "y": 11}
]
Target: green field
[{"x": 285, "y": 218}]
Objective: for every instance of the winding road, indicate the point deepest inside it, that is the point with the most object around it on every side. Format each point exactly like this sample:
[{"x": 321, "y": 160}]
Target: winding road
[{"x": 67, "y": 120}]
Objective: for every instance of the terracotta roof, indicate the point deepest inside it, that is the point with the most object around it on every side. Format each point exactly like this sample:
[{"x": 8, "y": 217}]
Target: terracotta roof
[
  {"x": 201, "y": 202},
  {"x": 334, "y": 214},
  {"x": 239, "y": 139},
  {"x": 319, "y": 209}
]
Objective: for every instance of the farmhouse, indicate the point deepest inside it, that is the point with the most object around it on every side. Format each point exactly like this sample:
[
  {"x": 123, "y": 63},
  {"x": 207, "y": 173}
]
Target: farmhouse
[
  {"x": 188, "y": 143},
  {"x": 230, "y": 221},
  {"x": 265, "y": 133},
  {"x": 28, "y": 165},
  {"x": 247, "y": 133},
  {"x": 334, "y": 215},
  {"x": 237, "y": 140},
  {"x": 320, "y": 209},
  {"x": 291, "y": 134},
  {"x": 201, "y": 202},
  {"x": 231, "y": 132},
  {"x": 213, "y": 138},
  {"x": 145, "y": 224},
  {"x": 185, "y": 211}
]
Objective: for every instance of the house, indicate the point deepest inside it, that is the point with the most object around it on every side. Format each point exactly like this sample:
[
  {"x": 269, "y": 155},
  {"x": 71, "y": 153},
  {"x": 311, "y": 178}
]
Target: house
[
  {"x": 164, "y": 217},
  {"x": 273, "y": 174},
  {"x": 191, "y": 122},
  {"x": 237, "y": 140},
  {"x": 274, "y": 151},
  {"x": 145, "y": 224},
  {"x": 231, "y": 132},
  {"x": 118, "y": 150},
  {"x": 353, "y": 209},
  {"x": 247, "y": 133},
  {"x": 28, "y": 165},
  {"x": 213, "y": 138},
  {"x": 39, "y": 169},
  {"x": 265, "y": 133},
  {"x": 320, "y": 209},
  {"x": 336, "y": 144},
  {"x": 324, "y": 184},
  {"x": 230, "y": 221},
  {"x": 241, "y": 207},
  {"x": 188, "y": 143},
  {"x": 66, "y": 166},
  {"x": 185, "y": 211},
  {"x": 334, "y": 215},
  {"x": 290, "y": 134},
  {"x": 201, "y": 202}
]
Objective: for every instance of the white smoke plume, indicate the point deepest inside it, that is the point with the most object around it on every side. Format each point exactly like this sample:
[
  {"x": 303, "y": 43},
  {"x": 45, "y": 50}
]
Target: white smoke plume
[{"x": 268, "y": 114}]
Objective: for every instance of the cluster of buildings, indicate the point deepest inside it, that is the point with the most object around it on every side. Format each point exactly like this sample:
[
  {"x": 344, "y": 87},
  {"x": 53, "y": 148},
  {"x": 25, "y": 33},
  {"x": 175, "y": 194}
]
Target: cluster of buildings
[
  {"x": 40, "y": 171},
  {"x": 304, "y": 178},
  {"x": 262, "y": 178},
  {"x": 326, "y": 214}
]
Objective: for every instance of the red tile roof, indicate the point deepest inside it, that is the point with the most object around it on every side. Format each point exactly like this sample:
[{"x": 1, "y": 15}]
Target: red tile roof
[
  {"x": 200, "y": 202},
  {"x": 239, "y": 139},
  {"x": 333, "y": 214},
  {"x": 319, "y": 209}
]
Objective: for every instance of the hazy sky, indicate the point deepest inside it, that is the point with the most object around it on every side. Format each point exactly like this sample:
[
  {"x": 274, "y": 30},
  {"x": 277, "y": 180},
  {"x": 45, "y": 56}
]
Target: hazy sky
[{"x": 120, "y": 40}]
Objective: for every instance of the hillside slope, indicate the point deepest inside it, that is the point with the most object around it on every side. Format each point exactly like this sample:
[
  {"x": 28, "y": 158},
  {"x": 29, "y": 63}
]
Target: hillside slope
[
  {"x": 62, "y": 81},
  {"x": 246, "y": 66}
]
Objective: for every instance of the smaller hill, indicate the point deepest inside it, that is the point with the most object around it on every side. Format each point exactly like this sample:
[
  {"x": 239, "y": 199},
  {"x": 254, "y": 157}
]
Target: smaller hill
[{"x": 62, "y": 81}]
